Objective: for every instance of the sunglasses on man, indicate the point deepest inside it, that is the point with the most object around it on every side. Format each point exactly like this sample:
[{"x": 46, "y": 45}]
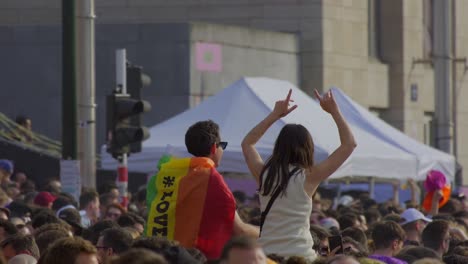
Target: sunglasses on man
[{"x": 222, "y": 144}]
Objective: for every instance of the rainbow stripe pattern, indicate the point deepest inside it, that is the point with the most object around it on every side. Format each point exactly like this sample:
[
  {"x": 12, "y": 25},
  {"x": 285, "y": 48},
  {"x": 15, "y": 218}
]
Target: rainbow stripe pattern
[{"x": 189, "y": 202}]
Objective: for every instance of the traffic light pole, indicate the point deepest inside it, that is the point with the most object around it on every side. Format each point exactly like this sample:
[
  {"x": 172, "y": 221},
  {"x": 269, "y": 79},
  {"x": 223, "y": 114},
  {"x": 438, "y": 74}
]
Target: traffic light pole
[{"x": 122, "y": 171}]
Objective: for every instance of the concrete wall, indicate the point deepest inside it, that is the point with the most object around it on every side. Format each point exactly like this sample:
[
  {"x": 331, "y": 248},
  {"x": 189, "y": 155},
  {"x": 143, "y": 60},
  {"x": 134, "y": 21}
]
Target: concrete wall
[
  {"x": 244, "y": 53},
  {"x": 346, "y": 63},
  {"x": 31, "y": 68},
  {"x": 462, "y": 85}
]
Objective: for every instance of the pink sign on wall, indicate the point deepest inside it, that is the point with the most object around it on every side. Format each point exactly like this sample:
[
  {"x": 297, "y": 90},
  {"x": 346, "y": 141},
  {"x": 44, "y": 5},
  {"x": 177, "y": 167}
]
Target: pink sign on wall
[{"x": 208, "y": 57}]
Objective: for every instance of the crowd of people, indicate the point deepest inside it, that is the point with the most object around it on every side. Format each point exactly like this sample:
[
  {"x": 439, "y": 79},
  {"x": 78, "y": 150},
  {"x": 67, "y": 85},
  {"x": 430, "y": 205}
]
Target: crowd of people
[{"x": 187, "y": 214}]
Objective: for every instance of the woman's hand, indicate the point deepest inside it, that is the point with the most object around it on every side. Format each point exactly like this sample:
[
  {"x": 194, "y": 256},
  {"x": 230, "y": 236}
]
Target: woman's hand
[
  {"x": 327, "y": 102},
  {"x": 282, "y": 106}
]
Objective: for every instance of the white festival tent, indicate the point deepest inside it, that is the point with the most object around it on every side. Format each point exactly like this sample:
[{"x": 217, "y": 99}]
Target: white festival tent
[
  {"x": 240, "y": 106},
  {"x": 428, "y": 158}
]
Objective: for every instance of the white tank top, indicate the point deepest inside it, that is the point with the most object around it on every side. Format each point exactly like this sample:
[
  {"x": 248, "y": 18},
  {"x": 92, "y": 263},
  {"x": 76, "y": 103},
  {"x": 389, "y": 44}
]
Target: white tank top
[{"x": 286, "y": 228}]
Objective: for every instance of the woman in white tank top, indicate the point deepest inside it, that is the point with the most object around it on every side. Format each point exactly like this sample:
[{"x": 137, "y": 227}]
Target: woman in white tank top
[{"x": 291, "y": 173}]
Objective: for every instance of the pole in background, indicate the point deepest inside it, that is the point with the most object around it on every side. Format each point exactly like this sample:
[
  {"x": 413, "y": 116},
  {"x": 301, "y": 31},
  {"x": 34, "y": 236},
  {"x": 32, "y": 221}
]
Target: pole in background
[
  {"x": 121, "y": 81},
  {"x": 442, "y": 61},
  {"x": 86, "y": 84},
  {"x": 69, "y": 116}
]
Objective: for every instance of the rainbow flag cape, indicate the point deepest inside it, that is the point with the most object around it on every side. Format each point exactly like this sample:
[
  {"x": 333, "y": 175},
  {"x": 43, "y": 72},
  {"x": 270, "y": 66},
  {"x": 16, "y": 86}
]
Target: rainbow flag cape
[{"x": 189, "y": 202}]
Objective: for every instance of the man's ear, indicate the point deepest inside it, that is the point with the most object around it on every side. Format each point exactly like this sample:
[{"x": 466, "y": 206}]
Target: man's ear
[
  {"x": 110, "y": 251},
  {"x": 213, "y": 149},
  {"x": 395, "y": 243}
]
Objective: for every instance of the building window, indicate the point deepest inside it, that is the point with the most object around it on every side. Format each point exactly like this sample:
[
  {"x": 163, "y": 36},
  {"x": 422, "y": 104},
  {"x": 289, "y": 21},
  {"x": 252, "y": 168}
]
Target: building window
[
  {"x": 428, "y": 27},
  {"x": 373, "y": 27},
  {"x": 429, "y": 126}
]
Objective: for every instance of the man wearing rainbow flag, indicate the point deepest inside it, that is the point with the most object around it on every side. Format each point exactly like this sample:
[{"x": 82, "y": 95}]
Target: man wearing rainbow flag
[{"x": 188, "y": 199}]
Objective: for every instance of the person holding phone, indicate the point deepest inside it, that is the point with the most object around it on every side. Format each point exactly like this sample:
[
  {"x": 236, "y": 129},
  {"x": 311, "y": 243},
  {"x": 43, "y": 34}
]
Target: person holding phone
[{"x": 291, "y": 176}]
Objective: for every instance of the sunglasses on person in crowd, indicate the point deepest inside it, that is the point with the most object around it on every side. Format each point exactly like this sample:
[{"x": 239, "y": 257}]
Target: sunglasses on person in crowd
[{"x": 222, "y": 144}]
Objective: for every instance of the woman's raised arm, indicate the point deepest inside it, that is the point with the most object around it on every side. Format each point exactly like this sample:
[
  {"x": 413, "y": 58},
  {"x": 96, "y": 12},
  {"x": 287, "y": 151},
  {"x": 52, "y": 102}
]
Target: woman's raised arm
[{"x": 253, "y": 159}]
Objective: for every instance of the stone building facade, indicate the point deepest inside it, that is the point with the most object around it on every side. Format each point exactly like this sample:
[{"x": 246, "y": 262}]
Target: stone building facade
[{"x": 368, "y": 48}]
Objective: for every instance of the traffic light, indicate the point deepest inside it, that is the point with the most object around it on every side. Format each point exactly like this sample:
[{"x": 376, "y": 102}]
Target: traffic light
[
  {"x": 124, "y": 123},
  {"x": 136, "y": 81}
]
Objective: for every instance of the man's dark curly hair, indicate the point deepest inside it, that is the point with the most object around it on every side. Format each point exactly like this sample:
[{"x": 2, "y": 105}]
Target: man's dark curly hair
[{"x": 200, "y": 137}]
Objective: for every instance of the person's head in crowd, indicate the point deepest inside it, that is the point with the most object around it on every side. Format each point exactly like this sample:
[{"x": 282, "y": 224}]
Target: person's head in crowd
[
  {"x": 4, "y": 213},
  {"x": 385, "y": 208},
  {"x": 428, "y": 261},
  {"x": 24, "y": 121},
  {"x": 28, "y": 187},
  {"x": 317, "y": 201},
  {"x": 7, "y": 229},
  {"x": 356, "y": 234},
  {"x": 105, "y": 200},
  {"x": 455, "y": 259},
  {"x": 413, "y": 253},
  {"x": 20, "y": 225},
  {"x": 353, "y": 248},
  {"x": 28, "y": 198},
  {"x": 348, "y": 220},
  {"x": 436, "y": 235},
  {"x": 108, "y": 187},
  {"x": 322, "y": 248},
  {"x": 22, "y": 259},
  {"x": 202, "y": 139},
  {"x": 93, "y": 232},
  {"x": 242, "y": 250},
  {"x": 20, "y": 209},
  {"x": 44, "y": 199},
  {"x": 368, "y": 203},
  {"x": 71, "y": 199},
  {"x": 140, "y": 201},
  {"x": 452, "y": 206},
  {"x": 372, "y": 216},
  {"x": 294, "y": 260},
  {"x": 19, "y": 177},
  {"x": 316, "y": 216},
  {"x": 170, "y": 250},
  {"x": 197, "y": 255},
  {"x": 132, "y": 220},
  {"x": 20, "y": 244},
  {"x": 459, "y": 250},
  {"x": 413, "y": 222},
  {"x": 461, "y": 217},
  {"x": 330, "y": 224},
  {"x": 463, "y": 200},
  {"x": 42, "y": 217},
  {"x": 89, "y": 204},
  {"x": 132, "y": 231},
  {"x": 114, "y": 211},
  {"x": 53, "y": 186},
  {"x": 46, "y": 238},
  {"x": 61, "y": 227},
  {"x": 72, "y": 217},
  {"x": 112, "y": 242},
  {"x": 446, "y": 217},
  {"x": 362, "y": 222},
  {"x": 13, "y": 192},
  {"x": 388, "y": 238},
  {"x": 61, "y": 203},
  {"x": 70, "y": 250},
  {"x": 392, "y": 217},
  {"x": 6, "y": 170},
  {"x": 139, "y": 256},
  {"x": 342, "y": 259},
  {"x": 344, "y": 201}
]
